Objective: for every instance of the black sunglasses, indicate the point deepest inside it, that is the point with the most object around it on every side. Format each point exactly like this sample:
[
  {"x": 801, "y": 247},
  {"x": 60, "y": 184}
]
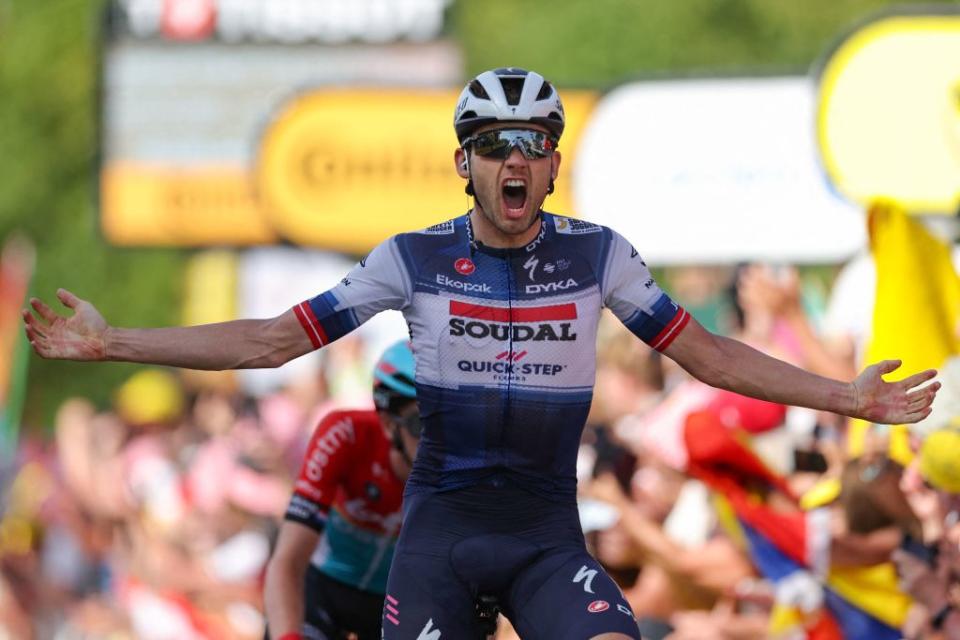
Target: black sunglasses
[{"x": 499, "y": 143}]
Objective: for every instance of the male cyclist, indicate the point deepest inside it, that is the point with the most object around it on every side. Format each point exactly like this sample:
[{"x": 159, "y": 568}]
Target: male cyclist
[
  {"x": 347, "y": 499},
  {"x": 503, "y": 304}
]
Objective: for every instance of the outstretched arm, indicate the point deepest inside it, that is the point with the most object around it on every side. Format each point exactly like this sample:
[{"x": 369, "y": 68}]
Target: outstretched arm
[
  {"x": 238, "y": 344},
  {"x": 730, "y": 364}
]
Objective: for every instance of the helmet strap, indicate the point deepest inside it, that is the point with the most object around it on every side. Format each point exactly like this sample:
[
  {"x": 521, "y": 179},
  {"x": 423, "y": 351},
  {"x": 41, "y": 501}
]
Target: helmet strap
[{"x": 550, "y": 187}]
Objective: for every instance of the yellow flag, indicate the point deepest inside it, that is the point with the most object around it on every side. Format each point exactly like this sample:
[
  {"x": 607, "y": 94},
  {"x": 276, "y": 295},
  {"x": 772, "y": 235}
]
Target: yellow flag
[{"x": 917, "y": 305}]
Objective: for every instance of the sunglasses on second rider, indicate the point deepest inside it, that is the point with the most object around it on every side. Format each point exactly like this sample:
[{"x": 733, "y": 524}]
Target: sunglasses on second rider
[{"x": 499, "y": 143}]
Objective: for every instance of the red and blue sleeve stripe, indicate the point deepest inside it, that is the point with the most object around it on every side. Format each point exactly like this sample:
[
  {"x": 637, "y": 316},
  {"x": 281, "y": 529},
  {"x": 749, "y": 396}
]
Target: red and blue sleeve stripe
[
  {"x": 659, "y": 326},
  {"x": 322, "y": 322}
]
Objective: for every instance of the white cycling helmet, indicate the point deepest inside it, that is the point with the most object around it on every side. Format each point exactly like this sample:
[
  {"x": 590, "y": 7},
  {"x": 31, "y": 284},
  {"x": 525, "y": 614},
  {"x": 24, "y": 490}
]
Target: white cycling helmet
[{"x": 508, "y": 95}]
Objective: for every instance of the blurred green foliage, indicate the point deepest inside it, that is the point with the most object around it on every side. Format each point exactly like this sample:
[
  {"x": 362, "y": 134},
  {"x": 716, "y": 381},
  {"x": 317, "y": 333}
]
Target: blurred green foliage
[
  {"x": 600, "y": 43},
  {"x": 48, "y": 148},
  {"x": 48, "y": 121}
]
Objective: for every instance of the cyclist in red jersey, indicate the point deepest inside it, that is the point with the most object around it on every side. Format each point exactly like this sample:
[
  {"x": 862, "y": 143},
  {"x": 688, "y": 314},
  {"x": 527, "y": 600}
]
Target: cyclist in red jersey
[
  {"x": 328, "y": 572},
  {"x": 503, "y": 304}
]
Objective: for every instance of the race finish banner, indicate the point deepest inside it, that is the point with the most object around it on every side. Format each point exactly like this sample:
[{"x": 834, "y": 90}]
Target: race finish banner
[
  {"x": 189, "y": 87},
  {"x": 16, "y": 271}
]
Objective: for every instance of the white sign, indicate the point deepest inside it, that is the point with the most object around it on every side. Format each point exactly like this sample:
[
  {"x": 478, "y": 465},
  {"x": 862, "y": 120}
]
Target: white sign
[
  {"x": 274, "y": 279},
  {"x": 709, "y": 171},
  {"x": 287, "y": 21}
]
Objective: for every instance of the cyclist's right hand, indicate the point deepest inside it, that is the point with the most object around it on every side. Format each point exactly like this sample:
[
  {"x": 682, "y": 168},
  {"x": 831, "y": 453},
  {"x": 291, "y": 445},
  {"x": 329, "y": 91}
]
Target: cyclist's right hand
[{"x": 81, "y": 336}]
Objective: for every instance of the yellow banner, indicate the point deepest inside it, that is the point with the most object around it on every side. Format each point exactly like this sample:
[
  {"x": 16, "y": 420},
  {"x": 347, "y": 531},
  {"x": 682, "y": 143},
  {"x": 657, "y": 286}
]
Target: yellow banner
[
  {"x": 345, "y": 169},
  {"x": 889, "y": 114},
  {"x": 143, "y": 204},
  {"x": 338, "y": 169}
]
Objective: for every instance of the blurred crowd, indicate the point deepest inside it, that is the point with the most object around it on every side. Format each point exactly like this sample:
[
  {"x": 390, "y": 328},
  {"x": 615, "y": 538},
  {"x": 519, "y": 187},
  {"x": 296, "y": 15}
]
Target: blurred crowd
[{"x": 720, "y": 517}]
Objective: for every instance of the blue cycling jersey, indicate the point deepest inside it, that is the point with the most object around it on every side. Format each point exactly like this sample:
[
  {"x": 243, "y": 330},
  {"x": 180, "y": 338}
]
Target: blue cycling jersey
[{"x": 505, "y": 340}]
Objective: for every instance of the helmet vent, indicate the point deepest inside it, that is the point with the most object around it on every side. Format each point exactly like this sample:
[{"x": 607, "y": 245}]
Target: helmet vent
[
  {"x": 466, "y": 115},
  {"x": 478, "y": 91},
  {"x": 512, "y": 88},
  {"x": 545, "y": 91}
]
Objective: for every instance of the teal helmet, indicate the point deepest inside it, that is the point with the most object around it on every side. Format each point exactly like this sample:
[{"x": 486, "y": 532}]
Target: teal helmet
[{"x": 393, "y": 377}]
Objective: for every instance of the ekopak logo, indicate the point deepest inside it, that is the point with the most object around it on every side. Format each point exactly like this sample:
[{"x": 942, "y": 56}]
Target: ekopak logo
[{"x": 464, "y": 266}]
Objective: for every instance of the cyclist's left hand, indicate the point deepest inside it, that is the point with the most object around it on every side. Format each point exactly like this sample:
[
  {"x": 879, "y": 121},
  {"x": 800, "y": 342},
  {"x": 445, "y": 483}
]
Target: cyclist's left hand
[{"x": 898, "y": 402}]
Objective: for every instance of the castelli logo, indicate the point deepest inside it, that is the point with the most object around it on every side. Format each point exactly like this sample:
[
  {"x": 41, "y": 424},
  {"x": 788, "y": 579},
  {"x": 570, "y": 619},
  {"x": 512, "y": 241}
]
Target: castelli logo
[
  {"x": 464, "y": 266},
  {"x": 597, "y": 606}
]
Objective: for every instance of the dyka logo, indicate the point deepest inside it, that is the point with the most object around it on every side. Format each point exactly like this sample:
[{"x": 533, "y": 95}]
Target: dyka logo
[
  {"x": 551, "y": 287},
  {"x": 597, "y": 606},
  {"x": 464, "y": 266}
]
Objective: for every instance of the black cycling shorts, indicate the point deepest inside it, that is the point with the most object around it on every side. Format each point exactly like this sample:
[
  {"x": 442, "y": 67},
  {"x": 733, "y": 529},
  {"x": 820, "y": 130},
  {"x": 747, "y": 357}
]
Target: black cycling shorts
[
  {"x": 332, "y": 609},
  {"x": 499, "y": 540}
]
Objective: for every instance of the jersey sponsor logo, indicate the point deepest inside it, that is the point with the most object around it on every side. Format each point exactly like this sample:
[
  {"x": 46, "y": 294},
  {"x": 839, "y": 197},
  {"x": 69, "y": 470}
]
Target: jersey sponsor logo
[
  {"x": 574, "y": 227},
  {"x": 361, "y": 511},
  {"x": 536, "y": 241},
  {"x": 633, "y": 253},
  {"x": 531, "y": 266},
  {"x": 543, "y": 332},
  {"x": 597, "y": 606},
  {"x": 464, "y": 266},
  {"x": 517, "y": 324},
  {"x": 326, "y": 446},
  {"x": 442, "y": 229},
  {"x": 511, "y": 370},
  {"x": 428, "y": 632},
  {"x": 551, "y": 287},
  {"x": 624, "y": 610},
  {"x": 301, "y": 508},
  {"x": 587, "y": 575},
  {"x": 562, "y": 264},
  {"x": 467, "y": 287}
]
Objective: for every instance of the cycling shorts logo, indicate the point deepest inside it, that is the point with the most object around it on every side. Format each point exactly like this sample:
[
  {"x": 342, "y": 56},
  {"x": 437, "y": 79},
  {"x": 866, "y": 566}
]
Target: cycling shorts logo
[
  {"x": 464, "y": 266},
  {"x": 597, "y": 606}
]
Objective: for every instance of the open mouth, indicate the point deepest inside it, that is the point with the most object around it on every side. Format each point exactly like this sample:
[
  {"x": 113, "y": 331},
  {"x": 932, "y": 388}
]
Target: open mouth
[{"x": 514, "y": 196}]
